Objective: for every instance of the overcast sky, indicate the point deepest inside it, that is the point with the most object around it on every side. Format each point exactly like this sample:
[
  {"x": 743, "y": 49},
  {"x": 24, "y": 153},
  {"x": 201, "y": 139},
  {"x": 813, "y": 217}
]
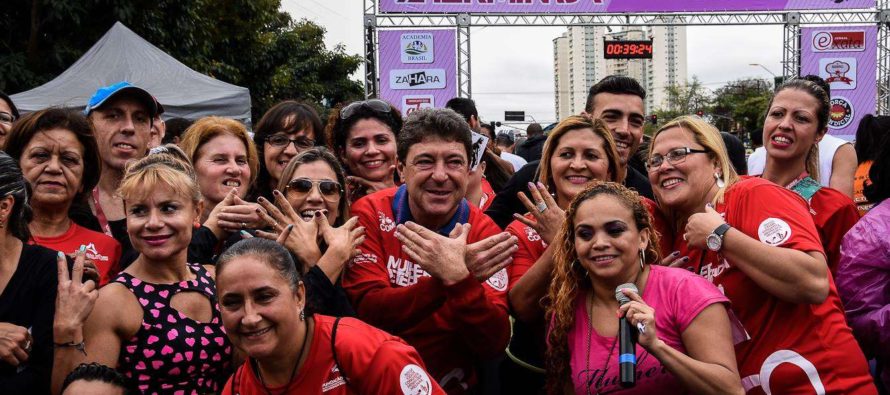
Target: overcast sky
[{"x": 512, "y": 67}]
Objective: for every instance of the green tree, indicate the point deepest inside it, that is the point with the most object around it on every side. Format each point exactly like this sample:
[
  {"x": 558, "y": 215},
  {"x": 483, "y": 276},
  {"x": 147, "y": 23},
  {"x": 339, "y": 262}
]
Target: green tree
[
  {"x": 741, "y": 104},
  {"x": 244, "y": 42},
  {"x": 684, "y": 99}
]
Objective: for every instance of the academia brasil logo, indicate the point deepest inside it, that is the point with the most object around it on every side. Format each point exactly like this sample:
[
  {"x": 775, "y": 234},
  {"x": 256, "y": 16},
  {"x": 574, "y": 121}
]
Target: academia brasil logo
[
  {"x": 840, "y": 113},
  {"x": 417, "y": 48}
]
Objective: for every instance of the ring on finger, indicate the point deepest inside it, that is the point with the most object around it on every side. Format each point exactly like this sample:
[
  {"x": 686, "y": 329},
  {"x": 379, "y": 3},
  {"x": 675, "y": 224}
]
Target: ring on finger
[
  {"x": 243, "y": 225},
  {"x": 28, "y": 345},
  {"x": 542, "y": 206}
]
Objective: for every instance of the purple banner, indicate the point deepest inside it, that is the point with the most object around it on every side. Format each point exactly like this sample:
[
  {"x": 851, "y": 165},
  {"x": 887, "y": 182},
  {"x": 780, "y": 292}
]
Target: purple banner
[
  {"x": 845, "y": 57},
  {"x": 611, "y": 6},
  {"x": 417, "y": 68}
]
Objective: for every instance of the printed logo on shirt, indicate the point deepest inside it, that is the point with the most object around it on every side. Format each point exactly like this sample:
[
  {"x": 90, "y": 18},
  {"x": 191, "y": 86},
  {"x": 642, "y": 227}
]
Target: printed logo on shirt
[
  {"x": 773, "y": 231},
  {"x": 364, "y": 258},
  {"x": 499, "y": 280},
  {"x": 532, "y": 234},
  {"x": 710, "y": 272},
  {"x": 403, "y": 272},
  {"x": 415, "y": 381},
  {"x": 93, "y": 254},
  {"x": 386, "y": 223}
]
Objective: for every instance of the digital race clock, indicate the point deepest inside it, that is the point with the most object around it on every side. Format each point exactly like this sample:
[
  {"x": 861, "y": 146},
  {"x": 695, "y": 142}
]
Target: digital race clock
[{"x": 631, "y": 49}]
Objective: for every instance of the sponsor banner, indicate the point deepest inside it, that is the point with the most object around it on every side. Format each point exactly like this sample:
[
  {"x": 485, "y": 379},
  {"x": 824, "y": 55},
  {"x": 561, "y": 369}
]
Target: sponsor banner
[
  {"x": 418, "y": 68},
  {"x": 846, "y": 58},
  {"x": 611, "y": 6}
]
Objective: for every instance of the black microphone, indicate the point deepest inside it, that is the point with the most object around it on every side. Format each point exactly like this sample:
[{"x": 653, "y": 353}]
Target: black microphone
[{"x": 627, "y": 343}]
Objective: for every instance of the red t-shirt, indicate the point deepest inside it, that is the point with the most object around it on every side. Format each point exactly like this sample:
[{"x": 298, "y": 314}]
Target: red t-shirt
[
  {"x": 790, "y": 347},
  {"x": 373, "y": 361},
  {"x": 834, "y": 214},
  {"x": 487, "y": 195},
  {"x": 453, "y": 327},
  {"x": 103, "y": 250},
  {"x": 531, "y": 246}
]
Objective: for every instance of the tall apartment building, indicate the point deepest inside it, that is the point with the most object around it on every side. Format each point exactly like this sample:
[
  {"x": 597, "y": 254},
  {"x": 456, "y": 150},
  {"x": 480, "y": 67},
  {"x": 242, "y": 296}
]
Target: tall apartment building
[{"x": 579, "y": 63}]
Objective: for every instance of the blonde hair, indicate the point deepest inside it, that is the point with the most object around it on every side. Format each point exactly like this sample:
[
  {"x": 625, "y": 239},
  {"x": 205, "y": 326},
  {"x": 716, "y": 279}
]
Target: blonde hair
[
  {"x": 164, "y": 165},
  {"x": 708, "y": 137},
  {"x": 205, "y": 129},
  {"x": 576, "y": 122},
  {"x": 570, "y": 278}
]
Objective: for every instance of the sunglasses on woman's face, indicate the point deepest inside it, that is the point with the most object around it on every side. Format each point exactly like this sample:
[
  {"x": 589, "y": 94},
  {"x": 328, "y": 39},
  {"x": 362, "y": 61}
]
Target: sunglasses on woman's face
[{"x": 330, "y": 190}]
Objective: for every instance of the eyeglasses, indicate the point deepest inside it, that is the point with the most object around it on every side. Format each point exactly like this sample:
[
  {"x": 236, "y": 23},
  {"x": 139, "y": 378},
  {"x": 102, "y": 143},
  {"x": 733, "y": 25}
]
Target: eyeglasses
[
  {"x": 281, "y": 140},
  {"x": 674, "y": 156},
  {"x": 330, "y": 190},
  {"x": 7, "y": 118},
  {"x": 376, "y": 105}
]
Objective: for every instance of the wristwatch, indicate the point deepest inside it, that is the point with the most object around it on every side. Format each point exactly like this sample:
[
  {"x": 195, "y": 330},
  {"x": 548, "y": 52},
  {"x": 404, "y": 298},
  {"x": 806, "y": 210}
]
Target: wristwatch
[{"x": 715, "y": 239}]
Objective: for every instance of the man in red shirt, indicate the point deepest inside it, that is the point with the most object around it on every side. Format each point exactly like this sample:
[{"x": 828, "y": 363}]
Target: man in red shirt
[{"x": 431, "y": 268}]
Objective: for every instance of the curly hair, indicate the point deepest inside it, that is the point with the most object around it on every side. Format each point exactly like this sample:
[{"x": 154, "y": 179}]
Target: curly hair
[
  {"x": 569, "y": 280},
  {"x": 98, "y": 372}
]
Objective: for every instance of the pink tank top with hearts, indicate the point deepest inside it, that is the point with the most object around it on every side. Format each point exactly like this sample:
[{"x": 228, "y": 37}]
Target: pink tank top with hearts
[{"x": 172, "y": 353}]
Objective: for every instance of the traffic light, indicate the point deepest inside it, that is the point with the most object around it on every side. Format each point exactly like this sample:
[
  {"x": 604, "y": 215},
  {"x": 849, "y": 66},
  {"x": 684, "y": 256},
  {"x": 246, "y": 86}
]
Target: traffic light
[{"x": 653, "y": 119}]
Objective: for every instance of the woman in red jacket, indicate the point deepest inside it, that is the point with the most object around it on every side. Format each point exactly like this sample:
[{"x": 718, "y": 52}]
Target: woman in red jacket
[{"x": 262, "y": 300}]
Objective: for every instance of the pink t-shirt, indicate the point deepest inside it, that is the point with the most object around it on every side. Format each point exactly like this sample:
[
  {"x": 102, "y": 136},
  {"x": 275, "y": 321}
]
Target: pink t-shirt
[{"x": 677, "y": 296}]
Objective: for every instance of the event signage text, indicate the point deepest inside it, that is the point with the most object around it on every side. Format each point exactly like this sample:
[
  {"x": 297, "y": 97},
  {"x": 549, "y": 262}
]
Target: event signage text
[
  {"x": 845, "y": 57},
  {"x": 611, "y": 6},
  {"x": 417, "y": 68}
]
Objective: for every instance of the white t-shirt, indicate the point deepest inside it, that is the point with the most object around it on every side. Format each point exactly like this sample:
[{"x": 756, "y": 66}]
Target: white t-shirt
[
  {"x": 516, "y": 160},
  {"x": 828, "y": 146}
]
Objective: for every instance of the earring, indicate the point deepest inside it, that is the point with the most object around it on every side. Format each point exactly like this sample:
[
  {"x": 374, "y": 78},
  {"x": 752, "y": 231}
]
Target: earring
[
  {"x": 302, "y": 315},
  {"x": 2, "y": 218},
  {"x": 720, "y": 182},
  {"x": 642, "y": 258}
]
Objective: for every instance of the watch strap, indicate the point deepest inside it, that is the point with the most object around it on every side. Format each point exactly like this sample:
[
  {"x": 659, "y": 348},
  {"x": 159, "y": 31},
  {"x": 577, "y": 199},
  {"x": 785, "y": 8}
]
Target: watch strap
[{"x": 722, "y": 229}]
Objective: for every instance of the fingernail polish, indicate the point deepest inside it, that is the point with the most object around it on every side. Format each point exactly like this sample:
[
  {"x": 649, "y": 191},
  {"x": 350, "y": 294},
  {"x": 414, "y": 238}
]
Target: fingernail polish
[
  {"x": 83, "y": 248},
  {"x": 61, "y": 255},
  {"x": 531, "y": 185},
  {"x": 685, "y": 259},
  {"x": 244, "y": 233},
  {"x": 290, "y": 226},
  {"x": 675, "y": 253},
  {"x": 540, "y": 185}
]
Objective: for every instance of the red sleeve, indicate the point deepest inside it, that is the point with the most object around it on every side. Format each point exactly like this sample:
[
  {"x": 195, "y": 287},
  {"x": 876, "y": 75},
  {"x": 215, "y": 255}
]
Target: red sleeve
[
  {"x": 836, "y": 222},
  {"x": 482, "y": 308},
  {"x": 367, "y": 284},
  {"x": 661, "y": 226},
  {"x": 775, "y": 216},
  {"x": 396, "y": 368},
  {"x": 531, "y": 247}
]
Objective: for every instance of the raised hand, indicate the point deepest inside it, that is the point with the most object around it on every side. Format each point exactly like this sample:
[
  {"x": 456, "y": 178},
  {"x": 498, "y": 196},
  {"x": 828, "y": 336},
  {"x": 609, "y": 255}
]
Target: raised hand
[
  {"x": 442, "y": 257},
  {"x": 641, "y": 316},
  {"x": 488, "y": 256},
  {"x": 74, "y": 301},
  {"x": 302, "y": 238},
  {"x": 357, "y": 187},
  {"x": 239, "y": 214},
  {"x": 700, "y": 225},
  {"x": 548, "y": 221},
  {"x": 342, "y": 241}
]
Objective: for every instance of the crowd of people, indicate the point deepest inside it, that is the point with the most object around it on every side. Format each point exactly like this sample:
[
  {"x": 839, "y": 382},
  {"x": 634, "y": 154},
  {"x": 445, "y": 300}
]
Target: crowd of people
[{"x": 377, "y": 253}]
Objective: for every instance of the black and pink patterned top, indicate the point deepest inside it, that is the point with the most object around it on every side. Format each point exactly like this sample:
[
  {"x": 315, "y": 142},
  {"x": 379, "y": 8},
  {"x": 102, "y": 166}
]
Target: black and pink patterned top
[{"x": 172, "y": 353}]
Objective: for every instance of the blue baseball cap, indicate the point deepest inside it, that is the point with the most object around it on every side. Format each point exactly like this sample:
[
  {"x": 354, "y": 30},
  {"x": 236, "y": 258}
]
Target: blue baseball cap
[{"x": 105, "y": 93}]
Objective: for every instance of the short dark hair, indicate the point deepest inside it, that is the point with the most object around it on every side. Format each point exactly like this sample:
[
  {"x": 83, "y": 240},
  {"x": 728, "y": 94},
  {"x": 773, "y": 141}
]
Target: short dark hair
[
  {"x": 442, "y": 123},
  {"x": 12, "y": 183},
  {"x": 268, "y": 251},
  {"x": 59, "y": 118},
  {"x": 615, "y": 84},
  {"x": 873, "y": 129},
  {"x": 463, "y": 106},
  {"x": 534, "y": 130},
  {"x": 338, "y": 129},
  {"x": 879, "y": 174},
  {"x": 175, "y": 128},
  {"x": 8, "y": 100},
  {"x": 98, "y": 372},
  {"x": 275, "y": 120}
]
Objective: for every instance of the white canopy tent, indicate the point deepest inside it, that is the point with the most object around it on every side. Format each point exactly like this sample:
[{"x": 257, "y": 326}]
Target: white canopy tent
[{"x": 122, "y": 55}]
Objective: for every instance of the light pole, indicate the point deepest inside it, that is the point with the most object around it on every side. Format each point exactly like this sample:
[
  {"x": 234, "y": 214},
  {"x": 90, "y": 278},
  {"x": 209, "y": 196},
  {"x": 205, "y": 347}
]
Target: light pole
[{"x": 764, "y": 67}]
